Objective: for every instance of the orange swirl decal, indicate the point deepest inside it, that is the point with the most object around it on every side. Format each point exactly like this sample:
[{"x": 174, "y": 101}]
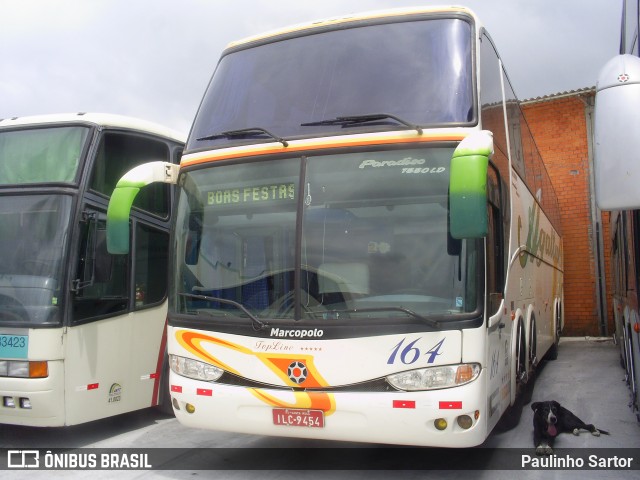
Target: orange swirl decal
[{"x": 293, "y": 370}]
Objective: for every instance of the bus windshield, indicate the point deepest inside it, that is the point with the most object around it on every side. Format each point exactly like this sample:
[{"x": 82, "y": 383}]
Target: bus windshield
[
  {"x": 41, "y": 155},
  {"x": 360, "y": 235},
  {"x": 33, "y": 234},
  {"x": 418, "y": 71}
]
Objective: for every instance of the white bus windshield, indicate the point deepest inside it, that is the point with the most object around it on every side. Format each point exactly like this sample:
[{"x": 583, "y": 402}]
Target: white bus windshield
[
  {"x": 33, "y": 235},
  {"x": 370, "y": 241},
  {"x": 418, "y": 71},
  {"x": 41, "y": 155}
]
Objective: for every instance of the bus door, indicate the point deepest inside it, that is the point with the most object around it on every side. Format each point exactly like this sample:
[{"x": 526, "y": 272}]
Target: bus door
[
  {"x": 498, "y": 353},
  {"x": 115, "y": 340},
  {"x": 114, "y": 347}
]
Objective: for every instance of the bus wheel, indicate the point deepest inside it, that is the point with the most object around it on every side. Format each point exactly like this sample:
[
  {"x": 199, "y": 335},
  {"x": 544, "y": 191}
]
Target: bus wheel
[
  {"x": 532, "y": 362},
  {"x": 511, "y": 417},
  {"x": 164, "y": 396},
  {"x": 533, "y": 346},
  {"x": 521, "y": 360},
  {"x": 631, "y": 372},
  {"x": 552, "y": 353}
]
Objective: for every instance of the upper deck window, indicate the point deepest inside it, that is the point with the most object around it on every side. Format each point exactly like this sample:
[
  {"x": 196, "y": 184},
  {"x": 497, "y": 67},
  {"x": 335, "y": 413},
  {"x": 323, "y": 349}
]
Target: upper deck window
[
  {"x": 418, "y": 71},
  {"x": 120, "y": 152},
  {"x": 41, "y": 155}
]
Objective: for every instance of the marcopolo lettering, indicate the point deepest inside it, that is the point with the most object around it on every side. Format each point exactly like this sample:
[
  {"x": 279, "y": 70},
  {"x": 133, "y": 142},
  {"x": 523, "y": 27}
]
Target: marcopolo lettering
[
  {"x": 404, "y": 162},
  {"x": 296, "y": 333}
]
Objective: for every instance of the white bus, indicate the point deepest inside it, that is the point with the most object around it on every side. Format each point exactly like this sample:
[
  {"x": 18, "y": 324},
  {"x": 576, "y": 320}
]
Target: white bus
[
  {"x": 617, "y": 124},
  {"x": 366, "y": 243},
  {"x": 82, "y": 332}
]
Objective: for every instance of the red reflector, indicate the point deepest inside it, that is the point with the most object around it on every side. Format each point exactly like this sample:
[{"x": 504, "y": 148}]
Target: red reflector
[
  {"x": 450, "y": 405},
  {"x": 205, "y": 392},
  {"x": 404, "y": 404},
  {"x": 93, "y": 386},
  {"x": 176, "y": 388},
  {"x": 153, "y": 375}
]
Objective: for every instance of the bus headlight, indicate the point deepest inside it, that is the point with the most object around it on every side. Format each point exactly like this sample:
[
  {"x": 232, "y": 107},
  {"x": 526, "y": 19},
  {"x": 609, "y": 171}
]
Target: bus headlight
[
  {"x": 24, "y": 369},
  {"x": 434, "y": 378},
  {"x": 194, "y": 369}
]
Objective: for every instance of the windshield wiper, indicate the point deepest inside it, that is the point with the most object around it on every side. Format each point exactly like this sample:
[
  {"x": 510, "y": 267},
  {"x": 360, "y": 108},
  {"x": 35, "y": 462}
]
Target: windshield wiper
[
  {"x": 257, "y": 323},
  {"x": 357, "y": 119},
  {"x": 244, "y": 132},
  {"x": 411, "y": 313}
]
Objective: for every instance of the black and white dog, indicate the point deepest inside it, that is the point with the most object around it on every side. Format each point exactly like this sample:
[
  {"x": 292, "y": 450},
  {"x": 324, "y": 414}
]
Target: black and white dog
[{"x": 550, "y": 419}]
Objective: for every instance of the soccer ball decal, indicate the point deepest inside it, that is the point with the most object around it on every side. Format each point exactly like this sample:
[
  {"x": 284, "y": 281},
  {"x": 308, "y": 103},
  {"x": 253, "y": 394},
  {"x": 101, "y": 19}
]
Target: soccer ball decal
[{"x": 297, "y": 372}]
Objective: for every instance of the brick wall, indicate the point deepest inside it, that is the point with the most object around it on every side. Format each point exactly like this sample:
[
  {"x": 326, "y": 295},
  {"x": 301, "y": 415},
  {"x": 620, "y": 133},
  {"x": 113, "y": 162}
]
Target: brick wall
[{"x": 559, "y": 127}]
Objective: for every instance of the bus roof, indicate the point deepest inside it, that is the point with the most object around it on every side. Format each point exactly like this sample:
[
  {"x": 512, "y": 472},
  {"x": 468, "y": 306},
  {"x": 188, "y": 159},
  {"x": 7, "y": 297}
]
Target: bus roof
[
  {"x": 355, "y": 17},
  {"x": 100, "y": 119}
]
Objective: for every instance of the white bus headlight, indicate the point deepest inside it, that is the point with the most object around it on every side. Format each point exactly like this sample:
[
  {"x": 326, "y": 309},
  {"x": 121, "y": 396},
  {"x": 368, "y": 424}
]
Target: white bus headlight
[
  {"x": 24, "y": 369},
  {"x": 18, "y": 369},
  {"x": 194, "y": 369},
  {"x": 434, "y": 378}
]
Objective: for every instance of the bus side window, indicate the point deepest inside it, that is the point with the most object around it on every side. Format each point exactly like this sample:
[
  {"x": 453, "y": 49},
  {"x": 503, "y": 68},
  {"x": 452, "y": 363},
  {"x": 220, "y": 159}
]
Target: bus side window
[
  {"x": 150, "y": 270},
  {"x": 494, "y": 243},
  {"x": 617, "y": 257},
  {"x": 492, "y": 104},
  {"x": 117, "y": 154},
  {"x": 635, "y": 219},
  {"x": 100, "y": 285}
]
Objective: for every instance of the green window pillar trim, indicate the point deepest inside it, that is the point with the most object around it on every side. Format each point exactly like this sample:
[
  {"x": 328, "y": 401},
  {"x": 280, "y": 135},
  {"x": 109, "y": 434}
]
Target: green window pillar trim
[
  {"x": 125, "y": 193},
  {"x": 468, "y": 186}
]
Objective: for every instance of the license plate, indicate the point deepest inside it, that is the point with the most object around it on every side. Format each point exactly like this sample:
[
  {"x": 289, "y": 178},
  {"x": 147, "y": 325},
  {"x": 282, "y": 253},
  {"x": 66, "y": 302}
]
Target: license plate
[
  {"x": 14, "y": 346},
  {"x": 298, "y": 417}
]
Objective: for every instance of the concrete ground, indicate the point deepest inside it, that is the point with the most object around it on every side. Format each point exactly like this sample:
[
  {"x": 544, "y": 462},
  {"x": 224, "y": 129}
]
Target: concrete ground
[{"x": 586, "y": 378}]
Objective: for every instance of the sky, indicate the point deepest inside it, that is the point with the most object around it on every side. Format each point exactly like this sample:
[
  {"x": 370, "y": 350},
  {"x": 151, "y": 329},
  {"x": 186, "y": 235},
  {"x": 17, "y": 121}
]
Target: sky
[{"x": 153, "y": 59}]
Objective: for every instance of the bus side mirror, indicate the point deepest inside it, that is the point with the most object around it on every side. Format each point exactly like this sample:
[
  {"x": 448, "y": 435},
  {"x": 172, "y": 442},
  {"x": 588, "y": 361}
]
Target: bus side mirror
[
  {"x": 468, "y": 186},
  {"x": 616, "y": 139},
  {"x": 125, "y": 193}
]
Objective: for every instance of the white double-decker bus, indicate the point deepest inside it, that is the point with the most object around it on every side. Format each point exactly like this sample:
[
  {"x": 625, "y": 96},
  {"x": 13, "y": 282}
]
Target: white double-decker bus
[
  {"x": 366, "y": 243},
  {"x": 82, "y": 332},
  {"x": 617, "y": 123}
]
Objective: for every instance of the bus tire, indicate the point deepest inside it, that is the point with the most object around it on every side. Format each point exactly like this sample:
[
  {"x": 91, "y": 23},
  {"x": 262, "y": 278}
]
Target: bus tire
[
  {"x": 533, "y": 346},
  {"x": 552, "y": 353},
  {"x": 511, "y": 416},
  {"x": 532, "y": 359},
  {"x": 164, "y": 395},
  {"x": 631, "y": 372},
  {"x": 522, "y": 371}
]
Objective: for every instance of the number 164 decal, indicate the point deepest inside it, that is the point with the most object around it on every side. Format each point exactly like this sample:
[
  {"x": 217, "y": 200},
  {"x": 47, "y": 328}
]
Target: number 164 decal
[{"x": 410, "y": 353}]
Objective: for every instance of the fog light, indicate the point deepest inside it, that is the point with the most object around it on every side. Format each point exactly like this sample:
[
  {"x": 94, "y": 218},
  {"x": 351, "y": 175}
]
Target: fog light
[
  {"x": 176, "y": 405},
  {"x": 25, "y": 403},
  {"x": 8, "y": 402},
  {"x": 465, "y": 422},
  {"x": 440, "y": 424},
  {"x": 190, "y": 408}
]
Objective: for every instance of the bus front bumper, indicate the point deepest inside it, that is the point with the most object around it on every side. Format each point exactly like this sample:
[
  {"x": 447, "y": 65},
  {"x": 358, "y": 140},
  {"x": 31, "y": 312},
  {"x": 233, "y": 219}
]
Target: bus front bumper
[
  {"x": 35, "y": 402},
  {"x": 455, "y": 417}
]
